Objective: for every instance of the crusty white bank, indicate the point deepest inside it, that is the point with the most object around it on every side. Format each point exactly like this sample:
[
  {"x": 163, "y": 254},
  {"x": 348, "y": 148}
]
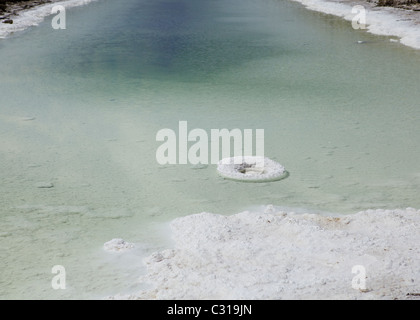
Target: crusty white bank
[{"x": 279, "y": 255}]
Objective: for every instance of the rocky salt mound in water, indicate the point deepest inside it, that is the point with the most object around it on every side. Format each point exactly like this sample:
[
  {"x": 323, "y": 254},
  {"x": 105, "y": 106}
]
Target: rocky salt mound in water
[
  {"x": 118, "y": 245},
  {"x": 279, "y": 255},
  {"x": 251, "y": 169}
]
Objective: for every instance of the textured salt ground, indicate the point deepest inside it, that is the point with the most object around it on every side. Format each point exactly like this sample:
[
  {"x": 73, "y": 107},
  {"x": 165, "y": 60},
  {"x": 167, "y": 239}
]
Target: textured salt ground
[
  {"x": 281, "y": 255},
  {"x": 384, "y": 21}
]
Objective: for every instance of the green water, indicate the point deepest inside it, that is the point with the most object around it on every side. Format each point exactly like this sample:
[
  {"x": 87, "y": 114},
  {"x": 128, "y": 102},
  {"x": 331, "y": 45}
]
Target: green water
[{"x": 81, "y": 107}]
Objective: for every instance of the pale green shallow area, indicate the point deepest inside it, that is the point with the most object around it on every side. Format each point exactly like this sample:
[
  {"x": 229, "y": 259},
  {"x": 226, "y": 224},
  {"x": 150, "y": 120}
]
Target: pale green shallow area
[{"x": 80, "y": 108}]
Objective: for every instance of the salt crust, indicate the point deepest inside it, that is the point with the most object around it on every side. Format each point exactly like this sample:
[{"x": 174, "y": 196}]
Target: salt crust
[
  {"x": 384, "y": 21},
  {"x": 284, "y": 255}
]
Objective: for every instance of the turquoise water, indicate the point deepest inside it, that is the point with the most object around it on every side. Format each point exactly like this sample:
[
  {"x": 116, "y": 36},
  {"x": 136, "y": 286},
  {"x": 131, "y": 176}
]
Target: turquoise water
[{"x": 80, "y": 108}]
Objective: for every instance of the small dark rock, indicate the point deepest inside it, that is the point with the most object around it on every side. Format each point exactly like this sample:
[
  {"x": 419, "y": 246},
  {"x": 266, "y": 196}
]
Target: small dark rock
[
  {"x": 9, "y": 21},
  {"x": 44, "y": 185},
  {"x": 243, "y": 166}
]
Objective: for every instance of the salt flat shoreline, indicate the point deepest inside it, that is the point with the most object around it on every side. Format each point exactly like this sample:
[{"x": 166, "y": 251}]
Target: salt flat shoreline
[
  {"x": 236, "y": 248},
  {"x": 402, "y": 20},
  {"x": 272, "y": 254},
  {"x": 20, "y": 16},
  {"x": 12, "y": 9}
]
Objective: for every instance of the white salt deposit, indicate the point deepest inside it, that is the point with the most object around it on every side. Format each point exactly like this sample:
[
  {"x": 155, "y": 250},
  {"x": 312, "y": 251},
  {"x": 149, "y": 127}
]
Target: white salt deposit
[
  {"x": 279, "y": 255},
  {"x": 383, "y": 21},
  {"x": 249, "y": 168},
  {"x": 118, "y": 245},
  {"x": 34, "y": 16}
]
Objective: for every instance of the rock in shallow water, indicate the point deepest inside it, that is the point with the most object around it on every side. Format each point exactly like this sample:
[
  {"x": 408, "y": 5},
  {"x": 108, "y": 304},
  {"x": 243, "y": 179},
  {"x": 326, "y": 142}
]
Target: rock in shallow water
[
  {"x": 118, "y": 245},
  {"x": 44, "y": 185}
]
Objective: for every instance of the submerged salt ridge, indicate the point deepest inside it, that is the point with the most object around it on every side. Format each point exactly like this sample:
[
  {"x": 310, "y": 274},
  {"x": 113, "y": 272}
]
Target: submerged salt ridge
[
  {"x": 284, "y": 255},
  {"x": 34, "y": 16},
  {"x": 384, "y": 21}
]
